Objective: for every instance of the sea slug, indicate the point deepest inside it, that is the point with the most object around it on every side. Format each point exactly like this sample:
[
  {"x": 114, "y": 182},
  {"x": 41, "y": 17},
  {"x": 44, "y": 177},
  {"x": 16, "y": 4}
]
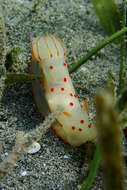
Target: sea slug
[{"x": 56, "y": 89}]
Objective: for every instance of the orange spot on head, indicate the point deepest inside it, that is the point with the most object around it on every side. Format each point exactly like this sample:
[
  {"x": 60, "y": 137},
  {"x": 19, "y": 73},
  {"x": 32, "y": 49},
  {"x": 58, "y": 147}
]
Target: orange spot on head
[{"x": 85, "y": 104}]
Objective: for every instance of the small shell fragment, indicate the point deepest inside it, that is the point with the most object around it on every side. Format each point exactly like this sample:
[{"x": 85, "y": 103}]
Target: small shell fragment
[
  {"x": 66, "y": 157},
  {"x": 23, "y": 174},
  {"x": 35, "y": 147}
]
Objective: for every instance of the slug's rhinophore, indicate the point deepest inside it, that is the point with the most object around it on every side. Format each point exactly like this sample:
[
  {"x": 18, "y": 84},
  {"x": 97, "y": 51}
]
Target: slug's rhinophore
[{"x": 56, "y": 89}]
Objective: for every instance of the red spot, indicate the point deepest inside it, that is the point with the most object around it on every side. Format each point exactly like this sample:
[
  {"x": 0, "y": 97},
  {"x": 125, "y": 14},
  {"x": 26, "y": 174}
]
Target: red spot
[
  {"x": 65, "y": 79},
  {"x": 73, "y": 127},
  {"x": 90, "y": 125},
  {"x": 70, "y": 75},
  {"x": 51, "y": 55},
  {"x": 82, "y": 121},
  {"x": 71, "y": 104},
  {"x": 71, "y": 94},
  {"x": 81, "y": 106},
  {"x": 80, "y": 129},
  {"x": 75, "y": 95},
  {"x": 64, "y": 54},
  {"x": 52, "y": 89},
  {"x": 50, "y": 67},
  {"x": 64, "y": 64},
  {"x": 62, "y": 89}
]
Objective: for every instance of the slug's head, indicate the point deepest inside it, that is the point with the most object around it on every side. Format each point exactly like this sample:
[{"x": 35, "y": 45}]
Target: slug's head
[{"x": 47, "y": 47}]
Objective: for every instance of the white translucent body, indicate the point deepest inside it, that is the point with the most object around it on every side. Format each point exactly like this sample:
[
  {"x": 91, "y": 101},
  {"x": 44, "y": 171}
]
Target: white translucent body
[{"x": 59, "y": 91}]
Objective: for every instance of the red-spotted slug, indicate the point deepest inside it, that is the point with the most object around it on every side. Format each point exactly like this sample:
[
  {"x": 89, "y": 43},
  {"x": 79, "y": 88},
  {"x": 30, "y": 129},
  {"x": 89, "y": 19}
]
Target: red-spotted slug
[{"x": 56, "y": 89}]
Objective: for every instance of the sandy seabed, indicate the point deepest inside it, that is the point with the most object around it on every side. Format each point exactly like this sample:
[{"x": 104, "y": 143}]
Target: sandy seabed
[{"x": 56, "y": 166}]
